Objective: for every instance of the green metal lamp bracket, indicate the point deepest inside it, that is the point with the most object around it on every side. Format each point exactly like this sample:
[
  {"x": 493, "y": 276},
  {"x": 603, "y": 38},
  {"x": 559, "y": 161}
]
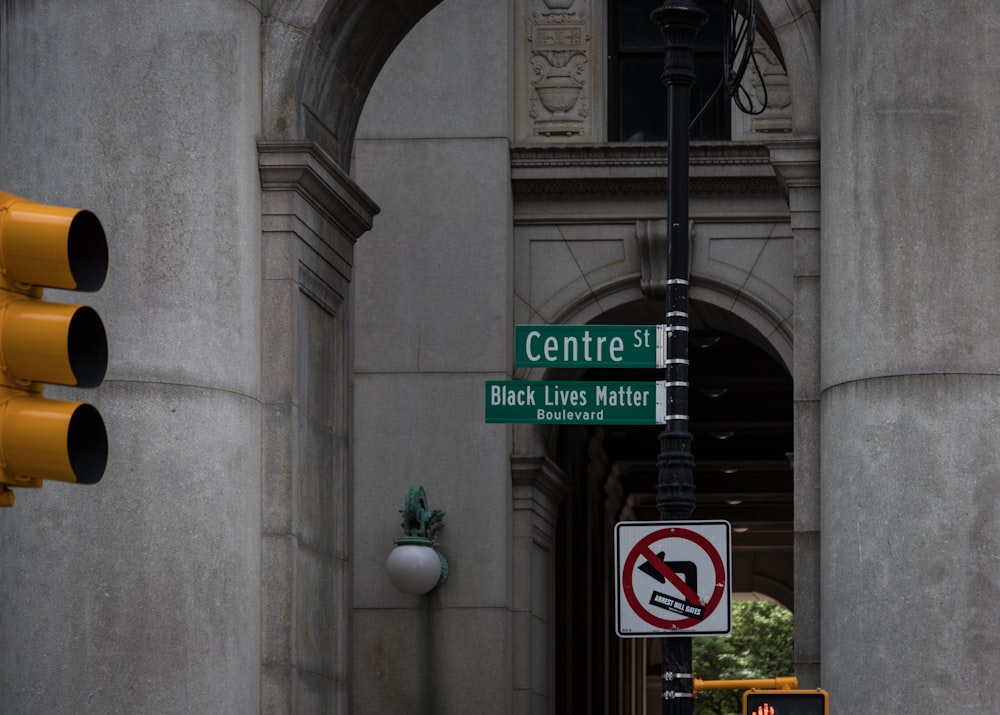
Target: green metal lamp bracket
[{"x": 421, "y": 525}]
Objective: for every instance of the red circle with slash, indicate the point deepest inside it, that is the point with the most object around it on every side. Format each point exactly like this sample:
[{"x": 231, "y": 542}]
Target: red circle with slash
[{"x": 642, "y": 549}]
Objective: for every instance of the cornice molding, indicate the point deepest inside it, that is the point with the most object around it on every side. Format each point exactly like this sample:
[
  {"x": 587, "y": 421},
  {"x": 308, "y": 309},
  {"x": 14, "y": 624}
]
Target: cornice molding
[
  {"x": 613, "y": 186},
  {"x": 646, "y": 154},
  {"x": 716, "y": 168},
  {"x": 303, "y": 167},
  {"x": 796, "y": 162},
  {"x": 539, "y": 473}
]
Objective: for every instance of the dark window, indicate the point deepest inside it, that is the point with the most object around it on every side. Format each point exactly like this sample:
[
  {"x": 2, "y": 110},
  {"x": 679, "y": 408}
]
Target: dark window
[{"x": 637, "y": 99}]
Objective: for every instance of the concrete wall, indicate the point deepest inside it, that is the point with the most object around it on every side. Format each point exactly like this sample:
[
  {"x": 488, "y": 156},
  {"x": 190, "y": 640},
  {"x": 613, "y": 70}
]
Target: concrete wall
[
  {"x": 910, "y": 340},
  {"x": 141, "y": 594},
  {"x": 432, "y": 323}
]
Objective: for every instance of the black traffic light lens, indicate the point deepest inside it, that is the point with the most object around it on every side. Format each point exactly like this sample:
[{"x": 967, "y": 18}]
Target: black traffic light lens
[
  {"x": 87, "y": 249},
  {"x": 87, "y": 445},
  {"x": 87, "y": 347}
]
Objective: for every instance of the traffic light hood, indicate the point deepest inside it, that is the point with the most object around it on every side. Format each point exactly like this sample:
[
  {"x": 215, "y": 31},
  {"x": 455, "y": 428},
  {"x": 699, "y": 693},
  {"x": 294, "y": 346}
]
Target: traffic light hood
[{"x": 51, "y": 246}]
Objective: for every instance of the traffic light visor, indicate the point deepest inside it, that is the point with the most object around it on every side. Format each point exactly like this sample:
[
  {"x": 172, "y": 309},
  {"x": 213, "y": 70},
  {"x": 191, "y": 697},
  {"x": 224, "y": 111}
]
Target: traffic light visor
[
  {"x": 51, "y": 342},
  {"x": 52, "y": 246},
  {"x": 52, "y": 439}
]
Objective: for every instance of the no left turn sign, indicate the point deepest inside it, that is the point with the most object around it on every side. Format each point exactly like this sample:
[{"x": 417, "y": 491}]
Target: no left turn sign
[{"x": 673, "y": 578}]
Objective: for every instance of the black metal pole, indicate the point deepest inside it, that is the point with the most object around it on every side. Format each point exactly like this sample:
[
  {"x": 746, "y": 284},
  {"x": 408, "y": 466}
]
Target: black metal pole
[{"x": 679, "y": 21}]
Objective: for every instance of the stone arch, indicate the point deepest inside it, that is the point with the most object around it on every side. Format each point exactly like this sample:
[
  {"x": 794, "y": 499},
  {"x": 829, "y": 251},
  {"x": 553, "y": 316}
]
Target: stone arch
[
  {"x": 751, "y": 317},
  {"x": 745, "y": 271},
  {"x": 598, "y": 280},
  {"x": 321, "y": 59},
  {"x": 323, "y": 56},
  {"x": 610, "y": 476},
  {"x": 795, "y": 28}
]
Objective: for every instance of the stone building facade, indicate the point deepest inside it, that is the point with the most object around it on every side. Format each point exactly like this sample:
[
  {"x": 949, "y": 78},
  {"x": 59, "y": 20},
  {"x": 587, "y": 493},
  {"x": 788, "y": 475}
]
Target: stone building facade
[{"x": 325, "y": 219}]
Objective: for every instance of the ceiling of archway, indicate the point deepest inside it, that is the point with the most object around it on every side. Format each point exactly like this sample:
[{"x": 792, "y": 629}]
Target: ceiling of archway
[{"x": 740, "y": 407}]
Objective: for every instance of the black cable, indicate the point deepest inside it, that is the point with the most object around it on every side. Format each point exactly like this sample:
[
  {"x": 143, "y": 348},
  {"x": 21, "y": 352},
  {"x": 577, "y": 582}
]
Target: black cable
[
  {"x": 706, "y": 104},
  {"x": 738, "y": 50},
  {"x": 741, "y": 31},
  {"x": 748, "y": 108}
]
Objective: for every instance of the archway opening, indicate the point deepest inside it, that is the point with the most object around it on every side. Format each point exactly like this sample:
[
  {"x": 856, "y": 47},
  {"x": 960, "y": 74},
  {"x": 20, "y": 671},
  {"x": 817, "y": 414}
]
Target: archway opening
[{"x": 741, "y": 420}]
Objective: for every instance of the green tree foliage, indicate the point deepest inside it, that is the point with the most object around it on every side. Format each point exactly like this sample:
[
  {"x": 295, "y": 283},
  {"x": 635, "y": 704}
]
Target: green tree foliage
[{"x": 760, "y": 646}]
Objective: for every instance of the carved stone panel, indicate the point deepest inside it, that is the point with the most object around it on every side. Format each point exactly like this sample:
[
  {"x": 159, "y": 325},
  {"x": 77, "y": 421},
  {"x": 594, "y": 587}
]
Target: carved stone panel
[
  {"x": 559, "y": 74},
  {"x": 768, "y": 84}
]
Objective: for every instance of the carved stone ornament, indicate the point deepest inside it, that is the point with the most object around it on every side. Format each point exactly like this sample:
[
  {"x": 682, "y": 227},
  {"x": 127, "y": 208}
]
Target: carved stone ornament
[
  {"x": 558, "y": 40},
  {"x": 771, "y": 75},
  {"x": 559, "y": 11},
  {"x": 653, "y": 238}
]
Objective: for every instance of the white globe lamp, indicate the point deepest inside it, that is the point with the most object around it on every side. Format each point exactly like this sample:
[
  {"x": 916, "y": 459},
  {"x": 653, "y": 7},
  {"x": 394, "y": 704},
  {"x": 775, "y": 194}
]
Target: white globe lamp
[{"x": 415, "y": 566}]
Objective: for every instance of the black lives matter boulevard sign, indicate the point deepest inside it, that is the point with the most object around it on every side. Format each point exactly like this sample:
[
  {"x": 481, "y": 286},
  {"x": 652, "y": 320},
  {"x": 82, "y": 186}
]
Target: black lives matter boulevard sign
[
  {"x": 582, "y": 402},
  {"x": 575, "y": 403}
]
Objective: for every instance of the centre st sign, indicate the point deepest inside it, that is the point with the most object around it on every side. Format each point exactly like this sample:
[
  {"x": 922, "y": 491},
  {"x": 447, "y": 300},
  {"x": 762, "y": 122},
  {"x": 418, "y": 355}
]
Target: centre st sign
[
  {"x": 590, "y": 346},
  {"x": 576, "y": 402}
]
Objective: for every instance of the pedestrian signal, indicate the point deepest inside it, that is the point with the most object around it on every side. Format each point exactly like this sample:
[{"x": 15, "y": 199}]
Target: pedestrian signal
[{"x": 786, "y": 702}]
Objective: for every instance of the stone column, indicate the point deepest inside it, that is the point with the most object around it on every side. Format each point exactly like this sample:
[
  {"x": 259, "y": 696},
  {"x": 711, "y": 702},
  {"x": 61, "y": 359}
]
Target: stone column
[
  {"x": 910, "y": 379},
  {"x": 141, "y": 594},
  {"x": 312, "y": 214},
  {"x": 538, "y": 487},
  {"x": 796, "y": 163}
]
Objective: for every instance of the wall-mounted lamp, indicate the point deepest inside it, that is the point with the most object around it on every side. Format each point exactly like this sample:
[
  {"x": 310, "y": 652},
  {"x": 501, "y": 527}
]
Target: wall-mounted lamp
[{"x": 415, "y": 566}]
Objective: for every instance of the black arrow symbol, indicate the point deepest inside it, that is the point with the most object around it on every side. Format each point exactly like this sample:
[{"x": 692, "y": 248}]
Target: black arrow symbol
[{"x": 685, "y": 569}]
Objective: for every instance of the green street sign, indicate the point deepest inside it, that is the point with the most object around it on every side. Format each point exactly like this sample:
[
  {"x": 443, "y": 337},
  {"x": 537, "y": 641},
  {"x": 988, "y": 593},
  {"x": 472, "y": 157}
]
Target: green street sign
[
  {"x": 576, "y": 402},
  {"x": 590, "y": 346}
]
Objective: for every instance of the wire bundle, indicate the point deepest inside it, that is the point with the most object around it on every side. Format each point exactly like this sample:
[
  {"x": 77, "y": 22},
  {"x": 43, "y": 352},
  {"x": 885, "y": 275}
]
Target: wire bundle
[{"x": 737, "y": 54}]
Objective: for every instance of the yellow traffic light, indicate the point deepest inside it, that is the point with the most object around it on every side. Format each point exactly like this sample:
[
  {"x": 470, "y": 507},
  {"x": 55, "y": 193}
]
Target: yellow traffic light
[
  {"x": 49, "y": 247},
  {"x": 786, "y": 702}
]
